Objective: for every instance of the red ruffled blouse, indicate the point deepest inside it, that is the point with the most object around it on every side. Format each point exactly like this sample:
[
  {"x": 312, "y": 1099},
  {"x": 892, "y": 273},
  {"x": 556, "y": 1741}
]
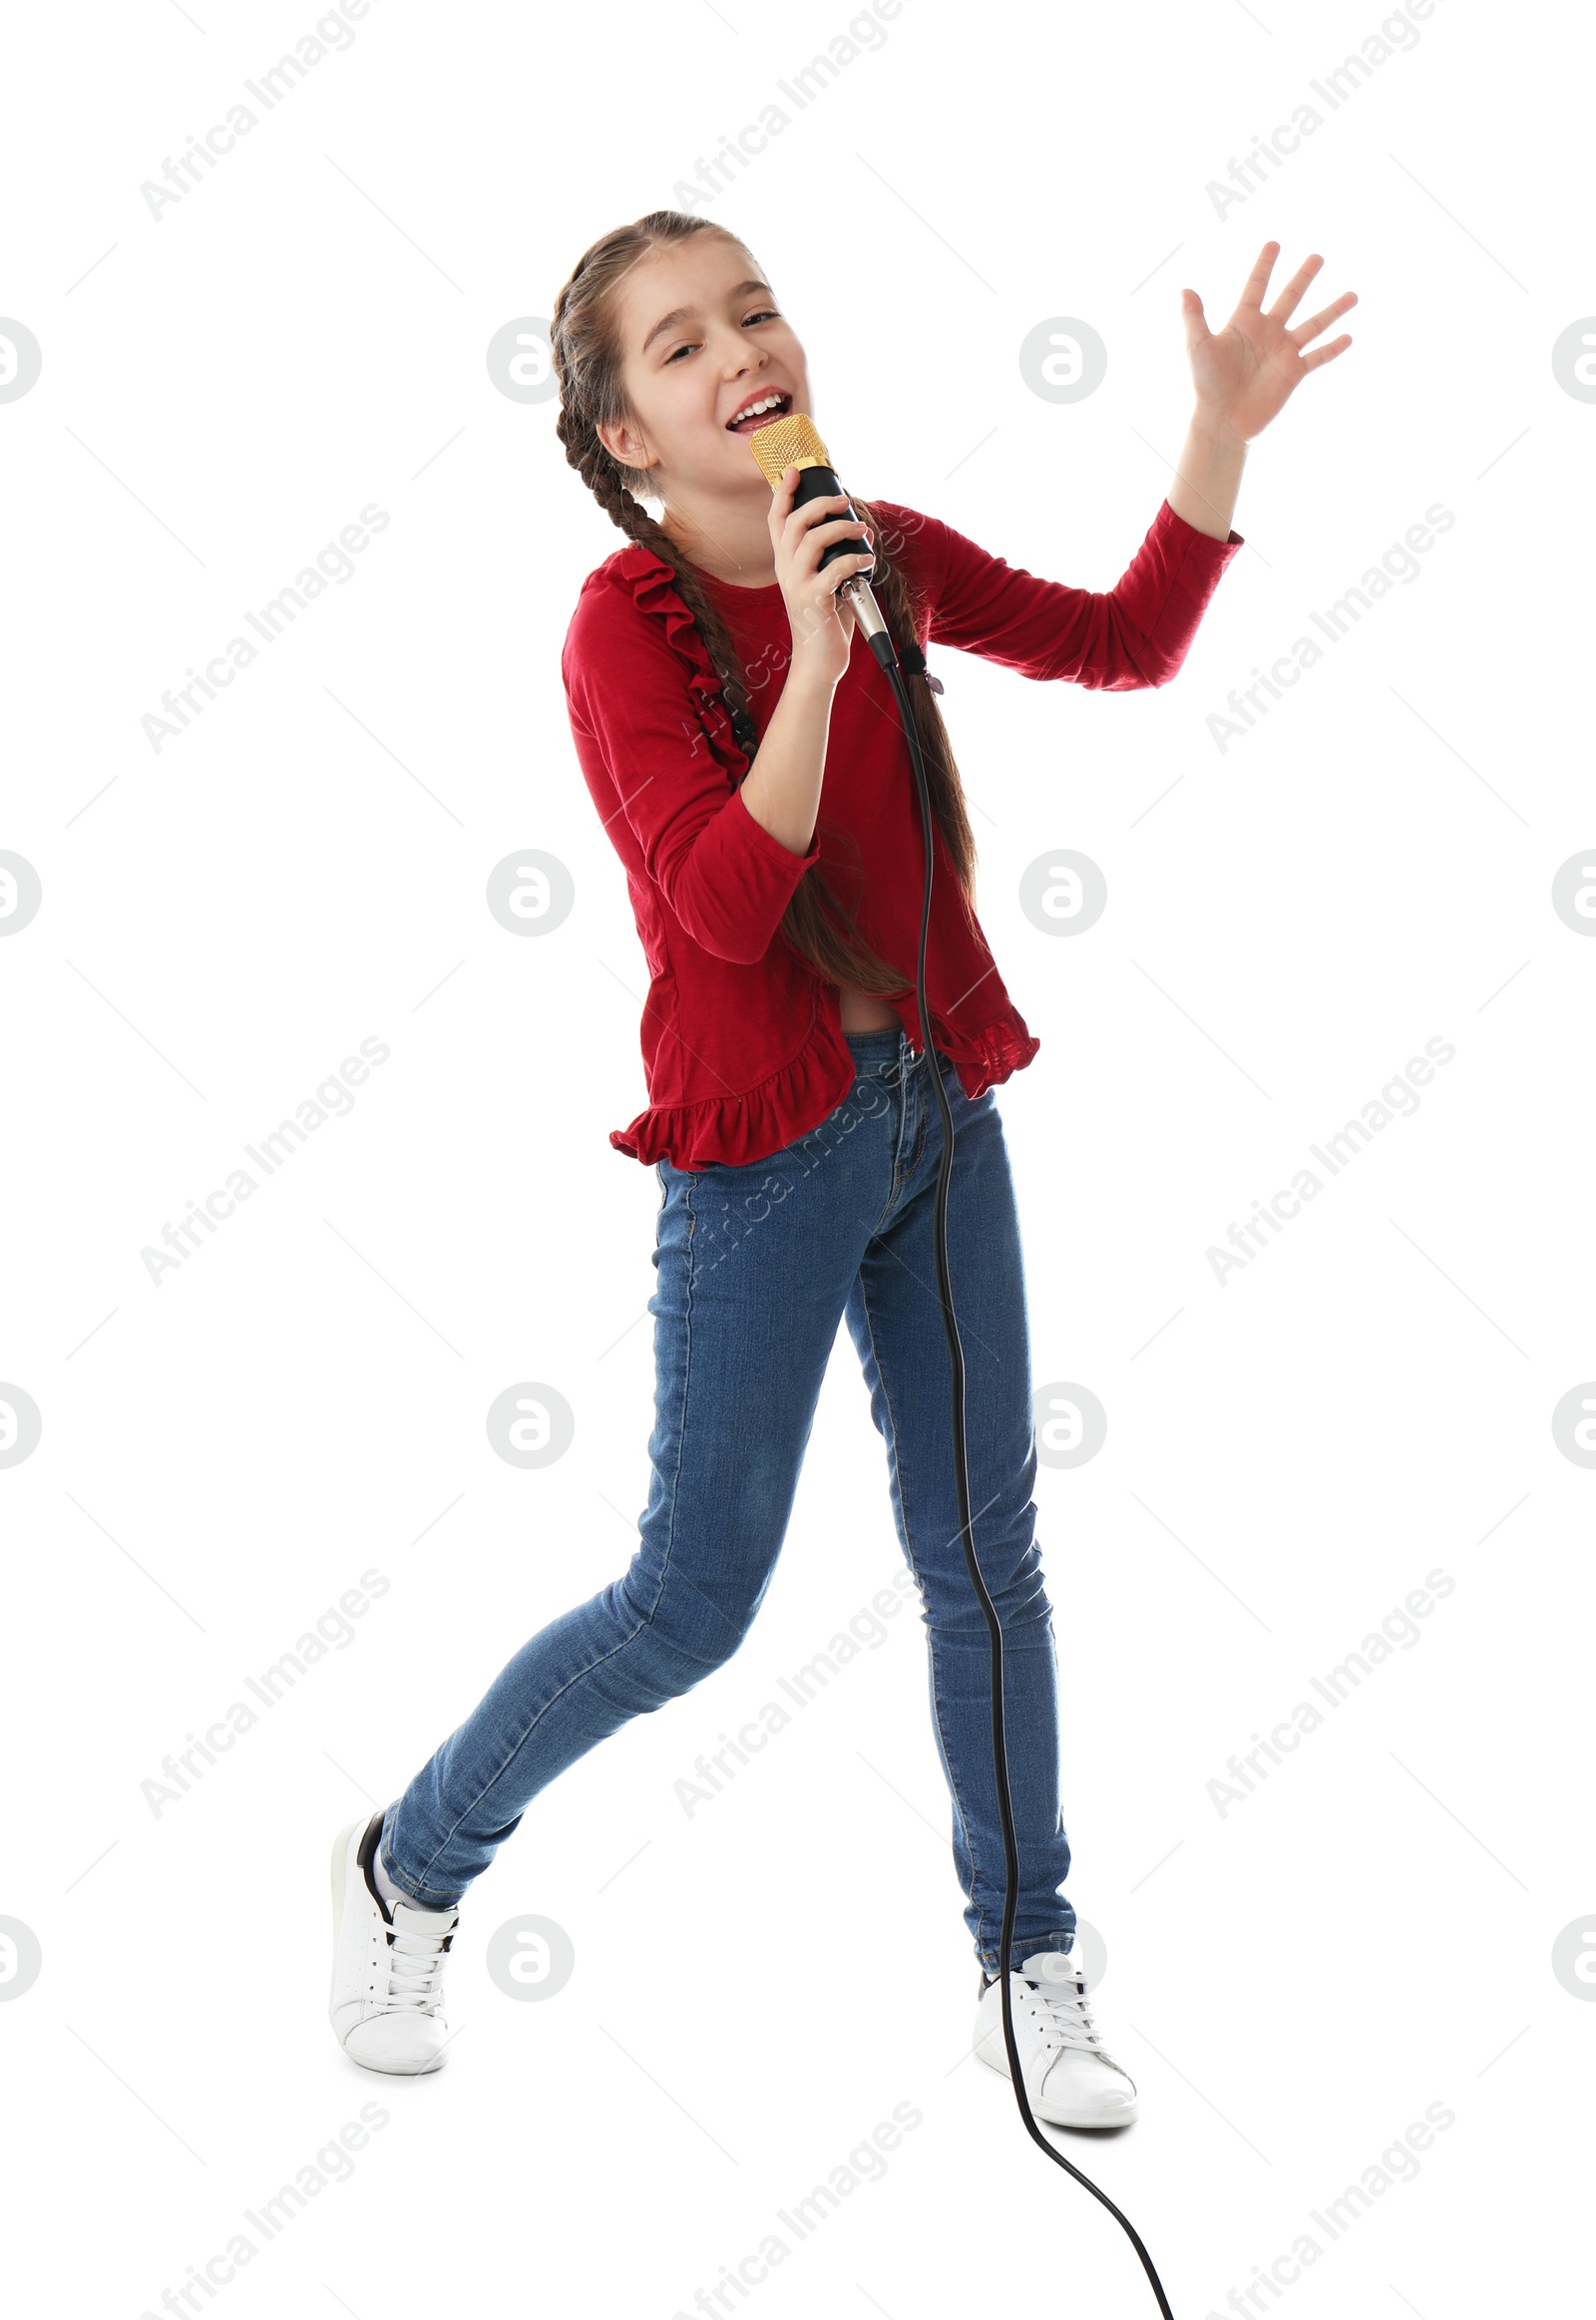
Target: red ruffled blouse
[{"x": 741, "y": 1039}]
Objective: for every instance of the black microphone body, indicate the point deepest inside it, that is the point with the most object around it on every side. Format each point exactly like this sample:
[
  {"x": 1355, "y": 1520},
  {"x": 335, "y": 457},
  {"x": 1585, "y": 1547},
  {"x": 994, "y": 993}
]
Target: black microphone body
[{"x": 820, "y": 483}]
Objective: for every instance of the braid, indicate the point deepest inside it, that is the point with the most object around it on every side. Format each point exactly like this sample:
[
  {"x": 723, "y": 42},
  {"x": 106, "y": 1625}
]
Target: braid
[
  {"x": 587, "y": 367},
  {"x": 602, "y": 477}
]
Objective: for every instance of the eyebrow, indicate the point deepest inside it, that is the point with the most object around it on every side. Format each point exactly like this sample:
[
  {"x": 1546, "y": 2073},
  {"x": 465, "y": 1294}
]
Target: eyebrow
[{"x": 685, "y": 313}]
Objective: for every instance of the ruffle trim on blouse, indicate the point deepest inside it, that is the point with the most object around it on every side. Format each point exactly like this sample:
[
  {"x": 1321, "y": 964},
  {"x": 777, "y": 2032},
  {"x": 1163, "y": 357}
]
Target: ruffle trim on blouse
[
  {"x": 991, "y": 1054},
  {"x": 651, "y": 585},
  {"x": 735, "y": 1131}
]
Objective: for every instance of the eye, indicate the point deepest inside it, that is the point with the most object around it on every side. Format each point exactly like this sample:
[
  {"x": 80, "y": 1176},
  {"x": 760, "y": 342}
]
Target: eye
[{"x": 764, "y": 314}]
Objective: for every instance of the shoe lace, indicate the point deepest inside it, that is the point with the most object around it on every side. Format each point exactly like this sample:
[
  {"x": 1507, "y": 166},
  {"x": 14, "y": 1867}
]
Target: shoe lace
[
  {"x": 1066, "y": 2013},
  {"x": 415, "y": 1968}
]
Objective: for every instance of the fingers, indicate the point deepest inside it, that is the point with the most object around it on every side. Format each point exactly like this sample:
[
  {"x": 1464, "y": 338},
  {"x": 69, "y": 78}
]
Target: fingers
[
  {"x": 809, "y": 530},
  {"x": 790, "y": 522},
  {"x": 846, "y": 567},
  {"x": 816, "y": 603},
  {"x": 781, "y": 497},
  {"x": 781, "y": 507},
  {"x": 829, "y": 510},
  {"x": 788, "y": 484},
  {"x": 841, "y": 570},
  {"x": 1303, "y": 331},
  {"x": 1258, "y": 279},
  {"x": 812, "y": 545},
  {"x": 1292, "y": 292}
]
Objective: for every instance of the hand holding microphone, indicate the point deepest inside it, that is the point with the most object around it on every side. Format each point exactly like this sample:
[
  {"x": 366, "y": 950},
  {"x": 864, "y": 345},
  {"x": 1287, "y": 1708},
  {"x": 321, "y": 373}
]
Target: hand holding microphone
[
  {"x": 820, "y": 546},
  {"x": 822, "y": 550}
]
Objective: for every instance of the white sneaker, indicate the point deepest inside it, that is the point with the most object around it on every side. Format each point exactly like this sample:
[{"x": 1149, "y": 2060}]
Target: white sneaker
[
  {"x": 387, "y": 2006},
  {"x": 1072, "y": 2080}
]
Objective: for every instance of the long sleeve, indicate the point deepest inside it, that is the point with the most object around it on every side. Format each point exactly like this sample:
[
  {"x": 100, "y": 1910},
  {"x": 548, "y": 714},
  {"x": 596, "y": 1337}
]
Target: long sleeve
[
  {"x": 1135, "y": 634},
  {"x": 663, "y": 797}
]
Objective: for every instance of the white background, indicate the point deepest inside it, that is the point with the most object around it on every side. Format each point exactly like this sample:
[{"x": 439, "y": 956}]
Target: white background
[{"x": 1289, "y": 921}]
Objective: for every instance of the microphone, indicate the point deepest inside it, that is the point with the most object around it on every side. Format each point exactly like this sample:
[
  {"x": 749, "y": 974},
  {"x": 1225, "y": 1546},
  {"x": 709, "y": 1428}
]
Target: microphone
[{"x": 795, "y": 441}]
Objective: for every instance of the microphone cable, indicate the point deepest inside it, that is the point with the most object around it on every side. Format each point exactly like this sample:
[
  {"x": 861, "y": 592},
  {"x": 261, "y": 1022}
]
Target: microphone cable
[
  {"x": 792, "y": 439},
  {"x": 881, "y": 645}
]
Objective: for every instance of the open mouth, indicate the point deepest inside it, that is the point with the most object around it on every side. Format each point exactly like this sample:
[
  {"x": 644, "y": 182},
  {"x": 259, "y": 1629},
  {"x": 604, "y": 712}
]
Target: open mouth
[{"x": 769, "y": 407}]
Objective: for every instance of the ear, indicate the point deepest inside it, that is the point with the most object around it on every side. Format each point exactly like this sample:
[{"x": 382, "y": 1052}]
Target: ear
[{"x": 623, "y": 443}]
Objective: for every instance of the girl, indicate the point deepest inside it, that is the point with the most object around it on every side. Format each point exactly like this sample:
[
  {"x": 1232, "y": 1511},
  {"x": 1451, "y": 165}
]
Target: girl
[{"x": 791, "y": 1123}]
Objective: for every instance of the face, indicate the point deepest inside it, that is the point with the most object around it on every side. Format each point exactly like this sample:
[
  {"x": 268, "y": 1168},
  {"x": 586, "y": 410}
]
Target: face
[{"x": 685, "y": 378}]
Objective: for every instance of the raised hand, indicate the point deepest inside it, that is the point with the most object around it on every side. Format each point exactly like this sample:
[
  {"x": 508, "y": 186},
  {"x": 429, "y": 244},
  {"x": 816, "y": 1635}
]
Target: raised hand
[{"x": 1244, "y": 373}]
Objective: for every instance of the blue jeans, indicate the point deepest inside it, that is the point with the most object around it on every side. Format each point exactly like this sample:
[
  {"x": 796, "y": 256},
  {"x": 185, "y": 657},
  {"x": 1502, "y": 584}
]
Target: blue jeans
[{"x": 756, "y": 1267}]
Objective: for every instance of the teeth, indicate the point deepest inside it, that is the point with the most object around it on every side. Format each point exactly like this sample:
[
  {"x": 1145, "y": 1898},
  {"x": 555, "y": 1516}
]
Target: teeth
[{"x": 769, "y": 403}]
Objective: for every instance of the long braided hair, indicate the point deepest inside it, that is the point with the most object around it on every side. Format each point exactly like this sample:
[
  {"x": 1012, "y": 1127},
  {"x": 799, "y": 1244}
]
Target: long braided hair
[{"x": 587, "y": 362}]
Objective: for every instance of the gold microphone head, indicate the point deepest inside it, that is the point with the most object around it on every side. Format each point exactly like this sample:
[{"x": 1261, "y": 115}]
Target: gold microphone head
[{"x": 789, "y": 442}]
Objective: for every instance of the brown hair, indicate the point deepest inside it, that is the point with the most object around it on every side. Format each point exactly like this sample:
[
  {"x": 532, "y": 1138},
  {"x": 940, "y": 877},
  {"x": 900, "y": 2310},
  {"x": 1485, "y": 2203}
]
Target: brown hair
[{"x": 587, "y": 360}]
